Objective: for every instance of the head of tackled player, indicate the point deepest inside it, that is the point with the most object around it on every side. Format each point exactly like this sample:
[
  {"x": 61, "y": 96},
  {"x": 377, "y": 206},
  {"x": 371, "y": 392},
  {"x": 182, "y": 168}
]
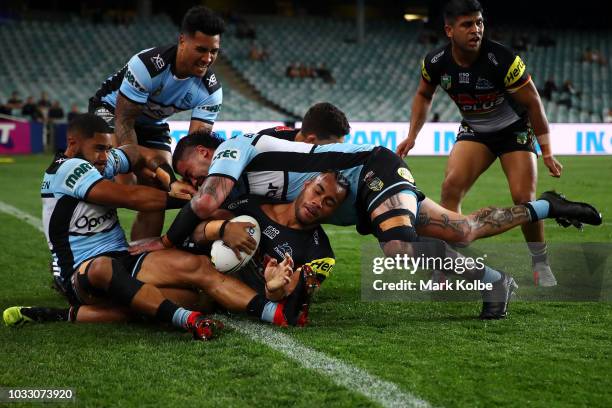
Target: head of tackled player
[
  {"x": 320, "y": 197},
  {"x": 199, "y": 42},
  {"x": 89, "y": 138}
]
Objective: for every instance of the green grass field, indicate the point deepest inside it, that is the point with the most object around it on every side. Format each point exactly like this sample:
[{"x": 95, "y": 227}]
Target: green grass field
[{"x": 545, "y": 354}]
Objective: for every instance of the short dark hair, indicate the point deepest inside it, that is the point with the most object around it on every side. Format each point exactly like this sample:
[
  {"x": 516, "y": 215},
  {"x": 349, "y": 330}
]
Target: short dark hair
[
  {"x": 325, "y": 120},
  {"x": 456, "y": 8},
  {"x": 197, "y": 138},
  {"x": 87, "y": 124},
  {"x": 203, "y": 19}
]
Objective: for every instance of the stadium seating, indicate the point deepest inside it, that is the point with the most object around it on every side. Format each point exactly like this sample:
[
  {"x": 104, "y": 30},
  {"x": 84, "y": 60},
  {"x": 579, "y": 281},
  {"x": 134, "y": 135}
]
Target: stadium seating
[{"x": 374, "y": 81}]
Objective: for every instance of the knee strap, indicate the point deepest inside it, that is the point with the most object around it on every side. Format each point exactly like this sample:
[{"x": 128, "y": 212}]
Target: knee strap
[
  {"x": 393, "y": 225},
  {"x": 123, "y": 287}
]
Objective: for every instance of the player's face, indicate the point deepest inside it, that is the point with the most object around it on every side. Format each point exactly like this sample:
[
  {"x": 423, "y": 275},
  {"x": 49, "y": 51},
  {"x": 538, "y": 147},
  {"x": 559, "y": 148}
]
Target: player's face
[
  {"x": 319, "y": 198},
  {"x": 196, "y": 53},
  {"x": 194, "y": 166},
  {"x": 466, "y": 32},
  {"x": 95, "y": 150}
]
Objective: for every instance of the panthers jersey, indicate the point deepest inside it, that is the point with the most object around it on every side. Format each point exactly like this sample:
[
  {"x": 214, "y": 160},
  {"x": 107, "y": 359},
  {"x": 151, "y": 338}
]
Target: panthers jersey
[
  {"x": 482, "y": 90},
  {"x": 149, "y": 79},
  {"x": 281, "y": 132},
  {"x": 75, "y": 229},
  {"x": 308, "y": 246}
]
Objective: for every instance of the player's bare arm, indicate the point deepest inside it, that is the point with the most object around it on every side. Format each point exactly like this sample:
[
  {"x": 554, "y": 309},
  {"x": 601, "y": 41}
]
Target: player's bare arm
[
  {"x": 133, "y": 197},
  {"x": 198, "y": 125},
  {"x": 126, "y": 113},
  {"x": 420, "y": 108},
  {"x": 528, "y": 97}
]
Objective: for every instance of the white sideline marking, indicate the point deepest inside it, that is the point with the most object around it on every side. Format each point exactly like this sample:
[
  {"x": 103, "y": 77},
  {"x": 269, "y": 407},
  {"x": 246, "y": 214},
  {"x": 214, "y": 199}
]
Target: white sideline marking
[
  {"x": 355, "y": 379},
  {"x": 17, "y": 213},
  {"x": 350, "y": 377}
]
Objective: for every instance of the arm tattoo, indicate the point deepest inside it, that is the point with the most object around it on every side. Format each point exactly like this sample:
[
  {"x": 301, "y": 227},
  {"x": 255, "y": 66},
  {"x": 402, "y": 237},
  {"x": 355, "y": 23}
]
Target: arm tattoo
[
  {"x": 214, "y": 191},
  {"x": 126, "y": 113}
]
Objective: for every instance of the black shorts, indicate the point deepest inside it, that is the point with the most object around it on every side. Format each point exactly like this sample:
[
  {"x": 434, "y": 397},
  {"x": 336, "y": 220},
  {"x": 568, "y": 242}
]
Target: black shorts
[
  {"x": 384, "y": 174},
  {"x": 154, "y": 136},
  {"x": 68, "y": 285},
  {"x": 517, "y": 137}
]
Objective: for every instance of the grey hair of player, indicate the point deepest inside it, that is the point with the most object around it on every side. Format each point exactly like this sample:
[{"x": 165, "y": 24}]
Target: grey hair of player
[
  {"x": 456, "y": 8},
  {"x": 87, "y": 125}
]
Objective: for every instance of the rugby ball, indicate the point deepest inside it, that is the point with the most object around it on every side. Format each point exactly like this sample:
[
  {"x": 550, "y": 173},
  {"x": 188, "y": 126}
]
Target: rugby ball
[{"x": 223, "y": 257}]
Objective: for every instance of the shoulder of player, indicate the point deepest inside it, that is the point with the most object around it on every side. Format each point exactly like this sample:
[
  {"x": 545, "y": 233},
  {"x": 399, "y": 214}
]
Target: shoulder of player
[
  {"x": 211, "y": 82},
  {"x": 281, "y": 132},
  {"x": 158, "y": 59},
  {"x": 497, "y": 54},
  {"x": 438, "y": 56}
]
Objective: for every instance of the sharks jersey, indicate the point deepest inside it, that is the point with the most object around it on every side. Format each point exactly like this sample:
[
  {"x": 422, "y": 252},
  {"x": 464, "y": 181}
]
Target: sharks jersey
[
  {"x": 75, "y": 229},
  {"x": 274, "y": 168},
  {"x": 149, "y": 79},
  {"x": 481, "y": 91}
]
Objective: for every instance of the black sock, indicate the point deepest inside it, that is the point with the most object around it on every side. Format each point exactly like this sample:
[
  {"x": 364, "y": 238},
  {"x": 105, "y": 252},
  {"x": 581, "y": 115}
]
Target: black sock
[
  {"x": 46, "y": 314},
  {"x": 166, "y": 311},
  {"x": 256, "y": 306}
]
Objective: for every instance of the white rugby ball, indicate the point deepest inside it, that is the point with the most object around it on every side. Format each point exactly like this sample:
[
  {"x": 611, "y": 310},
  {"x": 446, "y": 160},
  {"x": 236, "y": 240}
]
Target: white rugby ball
[{"x": 224, "y": 258}]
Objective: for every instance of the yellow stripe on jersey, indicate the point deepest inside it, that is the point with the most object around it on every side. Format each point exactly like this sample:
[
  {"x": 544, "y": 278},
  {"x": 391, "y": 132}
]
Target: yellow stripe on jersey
[
  {"x": 323, "y": 266},
  {"x": 424, "y": 72},
  {"x": 516, "y": 70}
]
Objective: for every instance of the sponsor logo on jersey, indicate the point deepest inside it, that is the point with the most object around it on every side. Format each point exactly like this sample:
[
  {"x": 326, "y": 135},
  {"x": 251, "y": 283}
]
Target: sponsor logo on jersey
[
  {"x": 94, "y": 221},
  {"x": 283, "y": 249},
  {"x": 492, "y": 58},
  {"x": 271, "y": 232},
  {"x": 211, "y": 108},
  {"x": 478, "y": 103},
  {"x": 323, "y": 266},
  {"x": 187, "y": 98},
  {"x": 272, "y": 191},
  {"x": 516, "y": 71},
  {"x": 405, "y": 174},
  {"x": 437, "y": 57},
  {"x": 227, "y": 154},
  {"x": 424, "y": 72},
  {"x": 212, "y": 80},
  {"x": 464, "y": 77},
  {"x": 158, "y": 61},
  {"x": 483, "y": 84},
  {"x": 315, "y": 237},
  {"x": 445, "y": 82},
  {"x": 373, "y": 182},
  {"x": 237, "y": 204},
  {"x": 132, "y": 81},
  {"x": 77, "y": 173}
]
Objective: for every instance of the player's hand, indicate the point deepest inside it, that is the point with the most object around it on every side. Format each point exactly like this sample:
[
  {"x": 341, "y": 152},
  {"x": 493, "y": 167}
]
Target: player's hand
[
  {"x": 405, "y": 146},
  {"x": 277, "y": 276},
  {"x": 146, "y": 245},
  {"x": 554, "y": 167},
  {"x": 237, "y": 237},
  {"x": 182, "y": 190}
]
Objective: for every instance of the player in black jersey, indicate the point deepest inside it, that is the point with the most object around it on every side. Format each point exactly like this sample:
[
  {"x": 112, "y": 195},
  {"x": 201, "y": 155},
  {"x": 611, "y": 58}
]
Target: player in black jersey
[
  {"x": 293, "y": 228},
  {"x": 501, "y": 111},
  {"x": 156, "y": 83}
]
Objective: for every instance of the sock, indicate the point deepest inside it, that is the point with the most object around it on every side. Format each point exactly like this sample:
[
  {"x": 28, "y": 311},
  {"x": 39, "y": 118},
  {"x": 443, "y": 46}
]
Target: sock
[
  {"x": 169, "y": 312},
  {"x": 46, "y": 314},
  {"x": 538, "y": 252},
  {"x": 538, "y": 209},
  {"x": 269, "y": 311},
  {"x": 490, "y": 275}
]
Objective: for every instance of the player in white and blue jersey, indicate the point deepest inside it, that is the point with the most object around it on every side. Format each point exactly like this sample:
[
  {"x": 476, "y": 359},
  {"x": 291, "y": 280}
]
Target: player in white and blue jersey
[
  {"x": 89, "y": 247},
  {"x": 158, "y": 82}
]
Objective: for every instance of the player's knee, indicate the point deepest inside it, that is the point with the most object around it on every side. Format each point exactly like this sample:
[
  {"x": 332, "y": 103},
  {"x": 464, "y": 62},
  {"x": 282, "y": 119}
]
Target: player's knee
[{"x": 98, "y": 273}]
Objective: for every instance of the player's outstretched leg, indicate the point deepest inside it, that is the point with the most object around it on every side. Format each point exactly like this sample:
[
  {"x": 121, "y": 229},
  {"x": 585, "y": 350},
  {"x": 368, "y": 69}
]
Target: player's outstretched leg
[{"x": 568, "y": 213}]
